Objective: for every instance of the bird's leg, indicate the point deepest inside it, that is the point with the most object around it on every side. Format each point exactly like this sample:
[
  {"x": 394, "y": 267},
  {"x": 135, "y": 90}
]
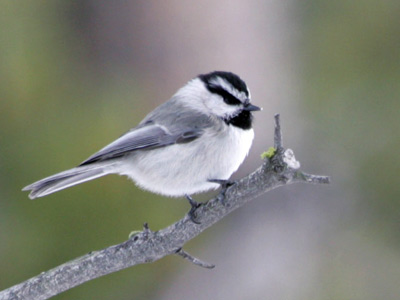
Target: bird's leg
[
  {"x": 225, "y": 184},
  {"x": 192, "y": 212}
]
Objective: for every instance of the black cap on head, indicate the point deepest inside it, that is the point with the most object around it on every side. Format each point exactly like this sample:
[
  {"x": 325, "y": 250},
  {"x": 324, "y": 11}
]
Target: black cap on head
[{"x": 230, "y": 77}]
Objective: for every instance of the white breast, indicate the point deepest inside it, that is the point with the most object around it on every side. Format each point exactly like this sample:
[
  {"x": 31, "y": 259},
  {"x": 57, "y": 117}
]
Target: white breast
[{"x": 182, "y": 169}]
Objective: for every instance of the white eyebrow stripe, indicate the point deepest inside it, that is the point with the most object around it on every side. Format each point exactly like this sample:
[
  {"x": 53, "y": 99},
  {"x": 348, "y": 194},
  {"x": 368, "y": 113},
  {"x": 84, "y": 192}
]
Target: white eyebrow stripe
[
  {"x": 248, "y": 91},
  {"x": 218, "y": 81}
]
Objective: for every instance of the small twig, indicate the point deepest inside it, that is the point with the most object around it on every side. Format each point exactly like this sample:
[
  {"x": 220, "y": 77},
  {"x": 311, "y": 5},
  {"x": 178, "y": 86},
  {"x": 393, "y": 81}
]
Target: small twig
[
  {"x": 313, "y": 178},
  {"x": 277, "y": 134},
  {"x": 194, "y": 260},
  {"x": 146, "y": 227}
]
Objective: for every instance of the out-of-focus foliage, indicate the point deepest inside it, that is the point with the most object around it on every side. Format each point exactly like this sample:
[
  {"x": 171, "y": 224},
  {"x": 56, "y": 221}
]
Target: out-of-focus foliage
[
  {"x": 76, "y": 75},
  {"x": 351, "y": 64},
  {"x": 352, "y": 74}
]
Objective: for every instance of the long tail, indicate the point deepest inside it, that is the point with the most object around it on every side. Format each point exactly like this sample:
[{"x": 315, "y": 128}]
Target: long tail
[{"x": 66, "y": 179}]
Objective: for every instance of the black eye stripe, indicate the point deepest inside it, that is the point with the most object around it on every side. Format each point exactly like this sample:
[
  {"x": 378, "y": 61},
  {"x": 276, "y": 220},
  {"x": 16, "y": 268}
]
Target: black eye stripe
[{"x": 228, "y": 98}]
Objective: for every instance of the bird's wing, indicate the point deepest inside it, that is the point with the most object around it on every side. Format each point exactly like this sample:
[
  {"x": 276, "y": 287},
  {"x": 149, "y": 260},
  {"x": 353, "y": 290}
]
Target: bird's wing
[{"x": 147, "y": 136}]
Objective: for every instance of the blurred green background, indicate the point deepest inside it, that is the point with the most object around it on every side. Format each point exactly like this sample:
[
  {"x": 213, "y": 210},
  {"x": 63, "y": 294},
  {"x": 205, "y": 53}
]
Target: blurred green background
[{"x": 74, "y": 75}]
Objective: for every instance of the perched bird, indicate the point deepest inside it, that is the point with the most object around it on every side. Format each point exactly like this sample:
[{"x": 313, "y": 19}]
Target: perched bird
[{"x": 190, "y": 144}]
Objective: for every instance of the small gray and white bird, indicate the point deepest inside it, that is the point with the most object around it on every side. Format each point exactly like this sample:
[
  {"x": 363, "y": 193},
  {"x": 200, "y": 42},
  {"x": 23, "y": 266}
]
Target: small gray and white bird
[{"x": 190, "y": 144}]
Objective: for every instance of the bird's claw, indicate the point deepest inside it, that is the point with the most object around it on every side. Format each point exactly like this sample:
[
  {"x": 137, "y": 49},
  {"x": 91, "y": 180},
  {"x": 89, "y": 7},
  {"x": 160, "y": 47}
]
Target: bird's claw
[
  {"x": 225, "y": 184},
  {"x": 192, "y": 212}
]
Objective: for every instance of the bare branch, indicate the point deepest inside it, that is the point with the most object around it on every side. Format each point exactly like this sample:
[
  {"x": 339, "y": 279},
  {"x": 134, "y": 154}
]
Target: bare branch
[
  {"x": 194, "y": 260},
  {"x": 147, "y": 246}
]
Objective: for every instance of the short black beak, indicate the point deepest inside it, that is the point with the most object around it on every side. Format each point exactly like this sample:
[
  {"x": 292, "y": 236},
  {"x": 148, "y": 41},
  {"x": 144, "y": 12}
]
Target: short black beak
[{"x": 251, "y": 107}]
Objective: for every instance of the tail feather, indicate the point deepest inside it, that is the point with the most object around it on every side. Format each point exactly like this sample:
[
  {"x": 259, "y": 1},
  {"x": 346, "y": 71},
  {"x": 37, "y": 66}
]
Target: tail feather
[{"x": 64, "y": 180}]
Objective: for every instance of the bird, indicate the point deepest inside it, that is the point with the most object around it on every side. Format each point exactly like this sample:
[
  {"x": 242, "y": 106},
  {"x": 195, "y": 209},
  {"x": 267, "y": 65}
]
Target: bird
[{"x": 190, "y": 144}]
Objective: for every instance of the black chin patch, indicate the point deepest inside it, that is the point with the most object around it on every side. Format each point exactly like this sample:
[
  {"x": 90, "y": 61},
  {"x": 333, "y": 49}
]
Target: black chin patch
[{"x": 242, "y": 120}]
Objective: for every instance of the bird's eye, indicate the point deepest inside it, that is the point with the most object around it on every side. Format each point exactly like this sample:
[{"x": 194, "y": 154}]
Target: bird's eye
[
  {"x": 231, "y": 100},
  {"x": 228, "y": 98}
]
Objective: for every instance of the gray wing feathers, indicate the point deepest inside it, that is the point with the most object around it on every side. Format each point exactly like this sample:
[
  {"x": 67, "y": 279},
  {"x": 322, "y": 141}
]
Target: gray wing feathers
[
  {"x": 168, "y": 124},
  {"x": 147, "y": 137}
]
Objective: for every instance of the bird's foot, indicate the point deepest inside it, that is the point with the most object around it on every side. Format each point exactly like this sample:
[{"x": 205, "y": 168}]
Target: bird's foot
[
  {"x": 192, "y": 212},
  {"x": 225, "y": 184}
]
